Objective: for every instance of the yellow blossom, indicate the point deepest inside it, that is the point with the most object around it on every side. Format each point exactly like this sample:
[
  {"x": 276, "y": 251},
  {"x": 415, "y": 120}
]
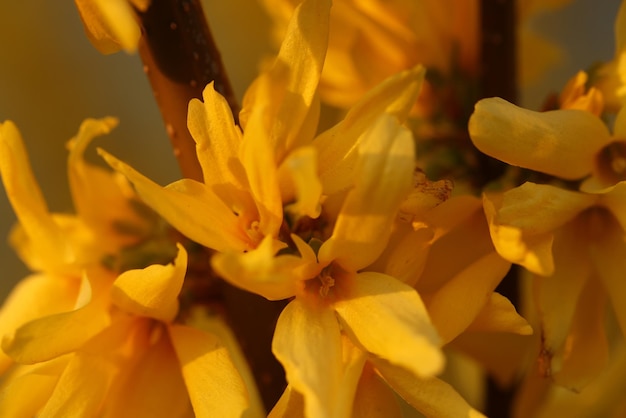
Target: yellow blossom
[
  {"x": 58, "y": 247},
  {"x": 573, "y": 241},
  {"x": 78, "y": 339},
  {"x": 140, "y": 363}
]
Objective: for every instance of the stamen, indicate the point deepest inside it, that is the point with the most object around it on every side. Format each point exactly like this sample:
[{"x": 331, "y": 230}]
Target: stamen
[
  {"x": 254, "y": 231},
  {"x": 327, "y": 282}
]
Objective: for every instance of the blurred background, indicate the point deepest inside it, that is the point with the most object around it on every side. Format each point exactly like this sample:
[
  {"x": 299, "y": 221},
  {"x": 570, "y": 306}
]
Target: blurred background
[{"x": 51, "y": 78}]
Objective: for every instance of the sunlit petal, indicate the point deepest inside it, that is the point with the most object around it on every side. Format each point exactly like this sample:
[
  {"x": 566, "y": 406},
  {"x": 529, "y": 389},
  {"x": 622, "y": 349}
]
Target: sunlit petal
[
  {"x": 558, "y": 294},
  {"x": 388, "y": 319},
  {"x": 28, "y": 201},
  {"x": 155, "y": 388},
  {"x": 338, "y": 147},
  {"x": 217, "y": 138},
  {"x": 214, "y": 386},
  {"x": 307, "y": 343},
  {"x": 562, "y": 143},
  {"x": 262, "y": 272},
  {"x": 217, "y": 228},
  {"x": 374, "y": 398},
  {"x": 432, "y": 397},
  {"x": 290, "y": 405},
  {"x": 35, "y": 297},
  {"x": 299, "y": 182},
  {"x": 384, "y": 179},
  {"x": 456, "y": 304},
  {"x": 152, "y": 291},
  {"x": 586, "y": 351},
  {"x": 78, "y": 392},
  {"x": 522, "y": 222},
  {"x": 499, "y": 315},
  {"x": 51, "y": 336}
]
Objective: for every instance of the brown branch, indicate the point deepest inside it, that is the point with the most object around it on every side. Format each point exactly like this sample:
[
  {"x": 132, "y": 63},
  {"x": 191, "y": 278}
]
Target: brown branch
[
  {"x": 498, "y": 49},
  {"x": 180, "y": 58},
  {"x": 499, "y": 79}
]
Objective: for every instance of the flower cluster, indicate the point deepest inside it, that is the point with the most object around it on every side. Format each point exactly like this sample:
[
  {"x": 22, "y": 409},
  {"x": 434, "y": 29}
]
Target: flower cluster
[{"x": 348, "y": 191}]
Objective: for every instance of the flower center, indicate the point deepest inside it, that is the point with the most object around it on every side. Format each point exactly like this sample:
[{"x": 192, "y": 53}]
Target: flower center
[
  {"x": 327, "y": 282},
  {"x": 254, "y": 232},
  {"x": 611, "y": 162}
]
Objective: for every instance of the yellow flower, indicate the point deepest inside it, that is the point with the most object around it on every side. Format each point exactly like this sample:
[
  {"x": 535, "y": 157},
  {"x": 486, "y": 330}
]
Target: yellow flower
[
  {"x": 136, "y": 362},
  {"x": 81, "y": 337},
  {"x": 573, "y": 241},
  {"x": 335, "y": 298},
  {"x": 275, "y": 173},
  {"x": 111, "y": 24},
  {"x": 58, "y": 247}
]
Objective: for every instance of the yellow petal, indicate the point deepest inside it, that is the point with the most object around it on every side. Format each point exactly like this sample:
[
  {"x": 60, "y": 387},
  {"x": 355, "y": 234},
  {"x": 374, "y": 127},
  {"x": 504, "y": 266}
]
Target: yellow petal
[
  {"x": 217, "y": 138},
  {"x": 388, "y": 319},
  {"x": 609, "y": 259},
  {"x": 384, "y": 179},
  {"x": 303, "y": 51},
  {"x": 189, "y": 207},
  {"x": 155, "y": 388},
  {"x": 354, "y": 361},
  {"x": 28, "y": 202},
  {"x": 338, "y": 147},
  {"x": 374, "y": 398},
  {"x": 432, "y": 397},
  {"x": 576, "y": 95},
  {"x": 215, "y": 388},
  {"x": 614, "y": 198},
  {"x": 619, "y": 128},
  {"x": 523, "y": 220},
  {"x": 456, "y": 304},
  {"x": 110, "y": 24},
  {"x": 257, "y": 156},
  {"x": 51, "y": 336},
  {"x": 308, "y": 345},
  {"x": 203, "y": 319},
  {"x": 460, "y": 230},
  {"x": 406, "y": 254},
  {"x": 99, "y": 197},
  {"x": 262, "y": 272},
  {"x": 297, "y": 69},
  {"x": 35, "y": 297},
  {"x": 290, "y": 405},
  {"x": 499, "y": 315},
  {"x": 152, "y": 291},
  {"x": 81, "y": 389},
  {"x": 562, "y": 143},
  {"x": 558, "y": 294},
  {"x": 586, "y": 351},
  {"x": 299, "y": 180},
  {"x": 27, "y": 389}
]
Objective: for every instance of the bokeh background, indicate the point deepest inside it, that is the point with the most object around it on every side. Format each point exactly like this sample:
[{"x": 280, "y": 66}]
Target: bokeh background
[{"x": 51, "y": 78}]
